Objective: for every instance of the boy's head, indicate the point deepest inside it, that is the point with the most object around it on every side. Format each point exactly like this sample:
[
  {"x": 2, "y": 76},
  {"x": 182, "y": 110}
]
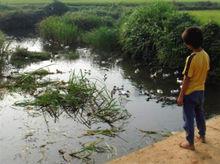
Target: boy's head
[{"x": 193, "y": 37}]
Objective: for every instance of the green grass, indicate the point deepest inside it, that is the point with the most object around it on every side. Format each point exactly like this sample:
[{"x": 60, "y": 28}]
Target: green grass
[
  {"x": 205, "y": 16},
  {"x": 92, "y": 1},
  {"x": 57, "y": 31}
]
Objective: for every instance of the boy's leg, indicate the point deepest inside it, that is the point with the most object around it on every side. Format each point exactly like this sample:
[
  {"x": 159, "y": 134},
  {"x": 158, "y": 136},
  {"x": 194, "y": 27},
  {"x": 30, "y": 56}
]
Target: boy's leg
[
  {"x": 200, "y": 116},
  {"x": 188, "y": 114}
]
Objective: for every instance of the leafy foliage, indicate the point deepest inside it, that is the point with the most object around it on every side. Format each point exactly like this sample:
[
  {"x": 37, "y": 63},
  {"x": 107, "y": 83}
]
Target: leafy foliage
[
  {"x": 212, "y": 46},
  {"x": 153, "y": 32},
  {"x": 171, "y": 51}
]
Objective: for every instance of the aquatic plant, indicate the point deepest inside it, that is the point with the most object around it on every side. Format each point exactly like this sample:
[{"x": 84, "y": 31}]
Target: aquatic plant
[
  {"x": 58, "y": 31},
  {"x": 22, "y": 56},
  {"x": 27, "y": 82},
  {"x": 106, "y": 132},
  {"x": 79, "y": 98},
  {"x": 88, "y": 149},
  {"x": 103, "y": 38}
]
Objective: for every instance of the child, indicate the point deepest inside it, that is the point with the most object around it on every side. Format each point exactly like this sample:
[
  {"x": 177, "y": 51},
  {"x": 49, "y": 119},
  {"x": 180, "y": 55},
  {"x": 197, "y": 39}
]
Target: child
[{"x": 192, "y": 93}]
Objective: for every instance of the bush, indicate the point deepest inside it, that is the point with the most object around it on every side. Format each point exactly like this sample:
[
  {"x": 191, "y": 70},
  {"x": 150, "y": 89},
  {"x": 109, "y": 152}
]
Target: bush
[
  {"x": 154, "y": 32},
  {"x": 57, "y": 31},
  {"x": 171, "y": 51},
  {"x": 56, "y": 8},
  {"x": 86, "y": 21},
  {"x": 211, "y": 33},
  {"x": 103, "y": 38},
  {"x": 27, "y": 19},
  {"x": 137, "y": 30}
]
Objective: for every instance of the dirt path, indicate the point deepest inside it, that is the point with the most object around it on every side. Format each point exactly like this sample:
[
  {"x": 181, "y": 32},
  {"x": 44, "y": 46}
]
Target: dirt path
[{"x": 168, "y": 150}]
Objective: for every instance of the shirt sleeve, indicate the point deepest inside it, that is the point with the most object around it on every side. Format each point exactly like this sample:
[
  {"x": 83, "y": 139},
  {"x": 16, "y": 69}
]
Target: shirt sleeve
[{"x": 188, "y": 69}]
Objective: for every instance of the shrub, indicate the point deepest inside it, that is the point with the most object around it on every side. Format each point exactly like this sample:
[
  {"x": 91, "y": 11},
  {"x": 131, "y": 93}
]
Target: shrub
[
  {"x": 170, "y": 48},
  {"x": 103, "y": 38},
  {"x": 154, "y": 32},
  {"x": 55, "y": 8},
  {"x": 211, "y": 32},
  {"x": 86, "y": 21},
  {"x": 137, "y": 30},
  {"x": 27, "y": 19},
  {"x": 57, "y": 31}
]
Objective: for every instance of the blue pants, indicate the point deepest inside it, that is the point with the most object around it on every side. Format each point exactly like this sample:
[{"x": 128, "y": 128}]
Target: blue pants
[{"x": 193, "y": 109}]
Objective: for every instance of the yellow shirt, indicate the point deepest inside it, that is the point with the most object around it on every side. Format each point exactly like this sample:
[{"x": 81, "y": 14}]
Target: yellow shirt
[{"x": 196, "y": 68}]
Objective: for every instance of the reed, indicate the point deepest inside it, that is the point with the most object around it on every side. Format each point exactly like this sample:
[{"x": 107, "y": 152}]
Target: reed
[{"x": 58, "y": 31}]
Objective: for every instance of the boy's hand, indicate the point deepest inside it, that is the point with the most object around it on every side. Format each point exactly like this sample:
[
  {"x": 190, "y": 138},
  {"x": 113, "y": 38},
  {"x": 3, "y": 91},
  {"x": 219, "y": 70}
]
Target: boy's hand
[{"x": 180, "y": 100}]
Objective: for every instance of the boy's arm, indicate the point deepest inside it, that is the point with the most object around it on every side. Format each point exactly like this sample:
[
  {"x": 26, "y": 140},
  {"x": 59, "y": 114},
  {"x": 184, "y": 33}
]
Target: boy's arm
[
  {"x": 185, "y": 86},
  {"x": 188, "y": 73}
]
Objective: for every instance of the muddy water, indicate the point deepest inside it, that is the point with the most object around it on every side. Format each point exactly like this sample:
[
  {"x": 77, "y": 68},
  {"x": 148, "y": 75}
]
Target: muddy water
[{"x": 30, "y": 136}]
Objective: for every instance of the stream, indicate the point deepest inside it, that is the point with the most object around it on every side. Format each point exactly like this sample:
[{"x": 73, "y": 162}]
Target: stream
[{"x": 28, "y": 136}]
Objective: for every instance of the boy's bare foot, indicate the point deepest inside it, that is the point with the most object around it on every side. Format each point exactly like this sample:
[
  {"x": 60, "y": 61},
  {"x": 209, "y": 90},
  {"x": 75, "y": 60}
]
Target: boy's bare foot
[
  {"x": 186, "y": 145},
  {"x": 200, "y": 139}
]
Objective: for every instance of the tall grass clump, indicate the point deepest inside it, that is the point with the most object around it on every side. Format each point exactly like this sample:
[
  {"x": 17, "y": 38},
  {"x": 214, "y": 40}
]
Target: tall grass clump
[
  {"x": 57, "y": 31},
  {"x": 103, "y": 38},
  {"x": 153, "y": 32}
]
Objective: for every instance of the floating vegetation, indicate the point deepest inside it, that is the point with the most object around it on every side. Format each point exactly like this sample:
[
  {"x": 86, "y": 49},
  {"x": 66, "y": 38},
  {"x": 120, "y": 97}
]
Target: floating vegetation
[
  {"x": 106, "y": 132},
  {"x": 162, "y": 133},
  {"x": 27, "y": 82},
  {"x": 22, "y": 56},
  {"x": 79, "y": 98},
  {"x": 87, "y": 150}
]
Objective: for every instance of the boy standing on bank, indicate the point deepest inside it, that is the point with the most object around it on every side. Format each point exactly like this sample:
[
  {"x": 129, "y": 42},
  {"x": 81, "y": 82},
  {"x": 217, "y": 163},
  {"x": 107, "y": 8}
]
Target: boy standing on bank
[{"x": 192, "y": 93}]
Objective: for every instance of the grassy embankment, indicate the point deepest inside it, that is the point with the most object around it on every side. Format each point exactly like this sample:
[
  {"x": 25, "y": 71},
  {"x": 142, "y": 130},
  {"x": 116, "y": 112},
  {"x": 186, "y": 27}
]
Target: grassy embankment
[
  {"x": 206, "y": 16},
  {"x": 94, "y": 1}
]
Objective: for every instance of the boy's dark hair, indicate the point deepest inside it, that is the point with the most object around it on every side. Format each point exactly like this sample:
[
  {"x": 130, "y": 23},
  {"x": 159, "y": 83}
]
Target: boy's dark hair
[{"x": 193, "y": 36}]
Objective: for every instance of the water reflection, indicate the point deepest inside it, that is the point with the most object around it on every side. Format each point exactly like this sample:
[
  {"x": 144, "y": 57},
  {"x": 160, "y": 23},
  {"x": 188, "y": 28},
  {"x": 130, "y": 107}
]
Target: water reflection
[{"x": 36, "y": 137}]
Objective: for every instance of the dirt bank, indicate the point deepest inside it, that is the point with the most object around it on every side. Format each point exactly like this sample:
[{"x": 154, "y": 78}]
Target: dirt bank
[{"x": 168, "y": 151}]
